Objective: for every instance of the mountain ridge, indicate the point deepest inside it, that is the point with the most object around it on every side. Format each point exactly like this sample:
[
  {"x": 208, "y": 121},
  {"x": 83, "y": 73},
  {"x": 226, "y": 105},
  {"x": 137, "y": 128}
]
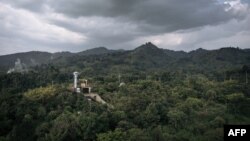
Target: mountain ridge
[{"x": 144, "y": 56}]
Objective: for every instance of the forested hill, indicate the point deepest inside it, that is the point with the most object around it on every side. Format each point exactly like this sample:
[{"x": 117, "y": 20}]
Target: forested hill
[
  {"x": 146, "y": 56},
  {"x": 34, "y": 58},
  {"x": 156, "y": 95}
]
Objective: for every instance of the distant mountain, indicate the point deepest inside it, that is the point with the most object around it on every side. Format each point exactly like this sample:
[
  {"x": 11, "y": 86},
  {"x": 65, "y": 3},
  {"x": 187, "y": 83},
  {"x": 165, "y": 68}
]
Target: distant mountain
[
  {"x": 28, "y": 58},
  {"x": 198, "y": 52},
  {"x": 33, "y": 58},
  {"x": 223, "y": 59},
  {"x": 61, "y": 54},
  {"x": 153, "y": 50},
  {"x": 230, "y": 55},
  {"x": 148, "y": 49},
  {"x": 175, "y": 54},
  {"x": 148, "y": 55},
  {"x": 247, "y": 50},
  {"x": 145, "y": 57},
  {"x": 95, "y": 51}
]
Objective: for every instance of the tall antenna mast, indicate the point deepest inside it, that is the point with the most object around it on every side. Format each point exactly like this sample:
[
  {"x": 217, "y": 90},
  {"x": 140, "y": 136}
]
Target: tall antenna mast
[{"x": 75, "y": 79}]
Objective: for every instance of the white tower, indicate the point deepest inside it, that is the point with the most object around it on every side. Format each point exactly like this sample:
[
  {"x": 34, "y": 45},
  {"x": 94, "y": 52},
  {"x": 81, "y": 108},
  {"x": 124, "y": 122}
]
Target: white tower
[{"x": 75, "y": 79}]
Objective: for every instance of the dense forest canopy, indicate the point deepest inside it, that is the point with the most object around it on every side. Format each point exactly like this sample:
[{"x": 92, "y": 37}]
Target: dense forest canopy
[{"x": 166, "y": 95}]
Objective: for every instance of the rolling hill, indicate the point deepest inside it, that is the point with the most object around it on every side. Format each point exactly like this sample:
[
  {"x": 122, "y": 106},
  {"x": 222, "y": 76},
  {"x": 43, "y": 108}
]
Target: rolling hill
[{"x": 145, "y": 57}]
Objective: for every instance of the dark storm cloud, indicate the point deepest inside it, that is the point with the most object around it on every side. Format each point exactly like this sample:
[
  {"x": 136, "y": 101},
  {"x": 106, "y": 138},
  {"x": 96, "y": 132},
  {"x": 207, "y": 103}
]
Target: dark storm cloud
[
  {"x": 32, "y": 5},
  {"x": 111, "y": 34},
  {"x": 151, "y": 16},
  {"x": 166, "y": 15},
  {"x": 106, "y": 8},
  {"x": 75, "y": 25}
]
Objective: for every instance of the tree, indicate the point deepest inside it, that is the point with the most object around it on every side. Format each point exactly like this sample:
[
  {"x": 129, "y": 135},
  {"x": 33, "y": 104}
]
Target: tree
[
  {"x": 116, "y": 135},
  {"x": 176, "y": 118},
  {"x": 64, "y": 128},
  {"x": 234, "y": 102},
  {"x": 245, "y": 69}
]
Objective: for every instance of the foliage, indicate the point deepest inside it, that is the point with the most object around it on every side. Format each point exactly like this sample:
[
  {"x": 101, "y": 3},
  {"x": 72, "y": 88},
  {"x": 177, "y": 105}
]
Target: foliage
[
  {"x": 158, "y": 103},
  {"x": 40, "y": 93}
]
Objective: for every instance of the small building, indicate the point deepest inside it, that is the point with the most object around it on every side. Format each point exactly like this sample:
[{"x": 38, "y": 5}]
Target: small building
[{"x": 83, "y": 87}]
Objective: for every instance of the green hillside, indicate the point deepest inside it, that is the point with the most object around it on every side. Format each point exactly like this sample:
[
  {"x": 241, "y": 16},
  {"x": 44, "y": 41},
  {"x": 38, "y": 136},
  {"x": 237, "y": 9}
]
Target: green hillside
[{"x": 156, "y": 95}]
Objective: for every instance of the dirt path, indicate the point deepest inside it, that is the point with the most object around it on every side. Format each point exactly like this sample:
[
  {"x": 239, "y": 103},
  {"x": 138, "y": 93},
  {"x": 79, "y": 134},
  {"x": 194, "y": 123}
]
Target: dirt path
[{"x": 97, "y": 98}]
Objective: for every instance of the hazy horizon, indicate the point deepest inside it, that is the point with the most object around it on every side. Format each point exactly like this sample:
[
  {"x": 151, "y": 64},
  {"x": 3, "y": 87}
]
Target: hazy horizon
[{"x": 118, "y": 49}]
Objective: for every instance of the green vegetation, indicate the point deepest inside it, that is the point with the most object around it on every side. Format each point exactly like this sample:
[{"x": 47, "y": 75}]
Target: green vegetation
[
  {"x": 159, "y": 103},
  {"x": 40, "y": 93},
  {"x": 189, "y": 108}
]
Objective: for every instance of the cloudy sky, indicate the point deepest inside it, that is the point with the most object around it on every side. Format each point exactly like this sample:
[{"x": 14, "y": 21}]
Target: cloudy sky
[{"x": 76, "y": 25}]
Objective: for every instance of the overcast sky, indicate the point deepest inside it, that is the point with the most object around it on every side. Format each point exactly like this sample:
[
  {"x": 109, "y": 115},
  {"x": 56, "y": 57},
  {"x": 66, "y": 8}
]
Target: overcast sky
[{"x": 76, "y": 25}]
